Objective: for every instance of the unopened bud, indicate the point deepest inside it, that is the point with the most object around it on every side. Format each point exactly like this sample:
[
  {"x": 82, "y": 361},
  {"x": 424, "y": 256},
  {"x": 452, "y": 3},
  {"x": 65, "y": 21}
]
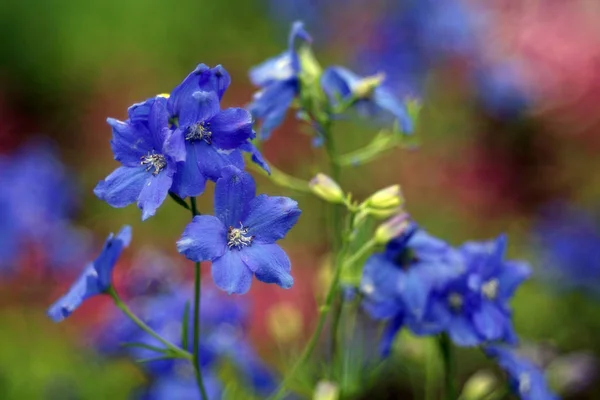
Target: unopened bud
[
  {"x": 326, "y": 188},
  {"x": 390, "y": 197},
  {"x": 392, "y": 228},
  {"x": 479, "y": 385},
  {"x": 326, "y": 390},
  {"x": 366, "y": 86}
]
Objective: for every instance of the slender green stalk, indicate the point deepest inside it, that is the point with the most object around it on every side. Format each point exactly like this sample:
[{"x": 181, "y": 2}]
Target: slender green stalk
[
  {"x": 197, "y": 290},
  {"x": 323, "y": 311},
  {"x": 449, "y": 369},
  {"x": 430, "y": 358},
  {"x": 176, "y": 350}
]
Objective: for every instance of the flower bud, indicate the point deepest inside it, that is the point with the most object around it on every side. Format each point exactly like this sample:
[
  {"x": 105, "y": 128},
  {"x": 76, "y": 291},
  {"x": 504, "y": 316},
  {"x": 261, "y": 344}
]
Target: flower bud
[
  {"x": 479, "y": 385},
  {"x": 326, "y": 390},
  {"x": 326, "y": 188},
  {"x": 390, "y": 197},
  {"x": 366, "y": 86},
  {"x": 392, "y": 228}
]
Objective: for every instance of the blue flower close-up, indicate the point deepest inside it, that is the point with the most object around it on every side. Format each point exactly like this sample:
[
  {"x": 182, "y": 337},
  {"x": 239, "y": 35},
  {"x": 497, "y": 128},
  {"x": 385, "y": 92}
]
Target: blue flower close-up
[
  {"x": 148, "y": 161},
  {"x": 240, "y": 238},
  {"x": 525, "y": 379},
  {"x": 95, "y": 278},
  {"x": 279, "y": 83},
  {"x": 367, "y": 94}
]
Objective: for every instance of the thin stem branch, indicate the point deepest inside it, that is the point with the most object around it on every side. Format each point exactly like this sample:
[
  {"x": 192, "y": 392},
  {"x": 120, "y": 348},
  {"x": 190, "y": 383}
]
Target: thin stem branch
[
  {"x": 447, "y": 353},
  {"x": 176, "y": 350}
]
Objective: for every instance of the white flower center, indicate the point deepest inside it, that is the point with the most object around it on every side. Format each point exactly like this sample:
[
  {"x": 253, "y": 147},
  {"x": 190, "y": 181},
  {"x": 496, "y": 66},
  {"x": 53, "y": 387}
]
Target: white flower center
[
  {"x": 237, "y": 237},
  {"x": 199, "y": 131},
  {"x": 490, "y": 289},
  {"x": 456, "y": 301},
  {"x": 153, "y": 160}
]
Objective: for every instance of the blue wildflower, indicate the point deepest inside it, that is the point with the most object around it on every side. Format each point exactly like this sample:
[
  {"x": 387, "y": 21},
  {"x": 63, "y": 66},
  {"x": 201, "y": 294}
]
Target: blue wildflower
[
  {"x": 366, "y": 94},
  {"x": 95, "y": 278},
  {"x": 279, "y": 83},
  {"x": 210, "y": 137},
  {"x": 525, "y": 379},
  {"x": 240, "y": 239},
  {"x": 472, "y": 307},
  {"x": 148, "y": 159}
]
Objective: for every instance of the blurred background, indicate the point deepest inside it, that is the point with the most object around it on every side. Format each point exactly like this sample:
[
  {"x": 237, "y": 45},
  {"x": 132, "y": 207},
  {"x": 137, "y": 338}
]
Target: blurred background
[{"x": 509, "y": 138}]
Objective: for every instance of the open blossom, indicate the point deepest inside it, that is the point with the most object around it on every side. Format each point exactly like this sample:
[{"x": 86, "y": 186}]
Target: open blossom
[
  {"x": 279, "y": 82},
  {"x": 367, "y": 95},
  {"x": 95, "y": 278},
  {"x": 240, "y": 238},
  {"x": 210, "y": 137},
  {"x": 149, "y": 161}
]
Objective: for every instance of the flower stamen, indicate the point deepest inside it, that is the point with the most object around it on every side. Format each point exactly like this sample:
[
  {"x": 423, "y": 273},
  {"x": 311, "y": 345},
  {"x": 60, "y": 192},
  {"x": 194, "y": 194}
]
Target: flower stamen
[
  {"x": 490, "y": 289},
  {"x": 154, "y": 160},
  {"x": 236, "y": 237},
  {"x": 198, "y": 132}
]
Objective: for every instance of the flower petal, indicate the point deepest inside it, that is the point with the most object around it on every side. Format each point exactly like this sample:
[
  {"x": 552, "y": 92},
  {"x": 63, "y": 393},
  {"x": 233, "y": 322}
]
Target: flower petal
[
  {"x": 337, "y": 83},
  {"x": 188, "y": 179},
  {"x": 489, "y": 321},
  {"x": 231, "y": 274},
  {"x": 211, "y": 160},
  {"x": 389, "y": 334},
  {"x": 204, "y": 239},
  {"x": 231, "y": 128},
  {"x": 158, "y": 123},
  {"x": 200, "y": 106},
  {"x": 154, "y": 192},
  {"x": 387, "y": 101},
  {"x": 174, "y": 145},
  {"x": 270, "y": 218},
  {"x": 512, "y": 274},
  {"x": 257, "y": 157},
  {"x": 271, "y": 104},
  {"x": 105, "y": 262},
  {"x": 123, "y": 186},
  {"x": 462, "y": 332},
  {"x": 233, "y": 192},
  {"x": 269, "y": 263},
  {"x": 84, "y": 287},
  {"x": 180, "y": 96},
  {"x": 129, "y": 142},
  {"x": 278, "y": 68}
]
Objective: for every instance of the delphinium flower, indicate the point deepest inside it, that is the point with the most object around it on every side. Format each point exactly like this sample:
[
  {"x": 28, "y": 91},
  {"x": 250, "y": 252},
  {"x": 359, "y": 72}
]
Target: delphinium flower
[
  {"x": 367, "y": 94},
  {"x": 37, "y": 204},
  {"x": 148, "y": 161},
  {"x": 240, "y": 239},
  {"x": 279, "y": 81},
  {"x": 212, "y": 138},
  {"x": 473, "y": 306},
  {"x": 396, "y": 284},
  {"x": 525, "y": 378},
  {"x": 568, "y": 239},
  {"x": 95, "y": 279}
]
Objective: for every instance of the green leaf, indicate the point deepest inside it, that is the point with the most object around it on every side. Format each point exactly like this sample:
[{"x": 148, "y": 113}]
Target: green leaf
[{"x": 145, "y": 346}]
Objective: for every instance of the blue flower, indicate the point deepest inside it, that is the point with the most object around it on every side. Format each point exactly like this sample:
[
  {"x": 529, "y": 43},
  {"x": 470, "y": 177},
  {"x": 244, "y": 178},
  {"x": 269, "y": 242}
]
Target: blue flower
[
  {"x": 95, "y": 278},
  {"x": 148, "y": 159},
  {"x": 240, "y": 239},
  {"x": 369, "y": 97},
  {"x": 279, "y": 83},
  {"x": 568, "y": 239},
  {"x": 210, "y": 137},
  {"x": 397, "y": 284},
  {"x": 37, "y": 202},
  {"x": 472, "y": 307},
  {"x": 525, "y": 379}
]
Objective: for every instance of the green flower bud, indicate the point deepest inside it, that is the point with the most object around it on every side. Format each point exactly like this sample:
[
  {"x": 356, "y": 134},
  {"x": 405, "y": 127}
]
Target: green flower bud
[
  {"x": 479, "y": 385},
  {"x": 392, "y": 228},
  {"x": 365, "y": 87},
  {"x": 385, "y": 199},
  {"x": 326, "y": 188},
  {"x": 326, "y": 390}
]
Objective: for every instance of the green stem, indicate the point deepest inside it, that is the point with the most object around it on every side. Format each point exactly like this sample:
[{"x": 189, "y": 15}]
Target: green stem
[
  {"x": 282, "y": 179},
  {"x": 449, "y": 368},
  {"x": 176, "y": 350},
  {"x": 323, "y": 311},
  {"x": 197, "y": 291},
  {"x": 430, "y": 371}
]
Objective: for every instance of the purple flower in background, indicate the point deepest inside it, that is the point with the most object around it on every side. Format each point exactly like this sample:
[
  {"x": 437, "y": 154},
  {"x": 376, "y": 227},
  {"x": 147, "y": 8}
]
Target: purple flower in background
[
  {"x": 37, "y": 202},
  {"x": 279, "y": 83},
  {"x": 148, "y": 159},
  {"x": 210, "y": 137},
  {"x": 525, "y": 378},
  {"x": 240, "y": 239},
  {"x": 366, "y": 94},
  {"x": 95, "y": 278},
  {"x": 568, "y": 240}
]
